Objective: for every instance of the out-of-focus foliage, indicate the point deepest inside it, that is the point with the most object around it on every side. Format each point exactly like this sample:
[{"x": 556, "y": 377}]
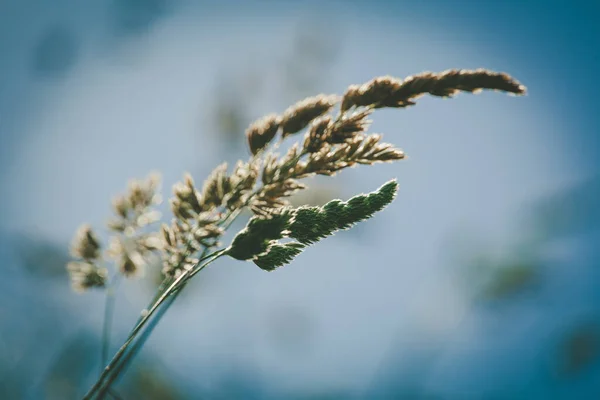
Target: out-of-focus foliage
[
  {"x": 56, "y": 52},
  {"x": 311, "y": 55},
  {"x": 573, "y": 211},
  {"x": 69, "y": 367},
  {"x": 491, "y": 277},
  {"x": 509, "y": 279},
  {"x": 41, "y": 257},
  {"x": 579, "y": 348},
  {"x": 149, "y": 382},
  {"x": 137, "y": 16}
]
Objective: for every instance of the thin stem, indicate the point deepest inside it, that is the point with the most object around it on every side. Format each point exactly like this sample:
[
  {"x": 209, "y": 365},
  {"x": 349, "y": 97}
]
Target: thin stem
[
  {"x": 114, "y": 395},
  {"x": 148, "y": 314},
  {"x": 225, "y": 223},
  {"x": 190, "y": 274},
  {"x": 109, "y": 307},
  {"x": 173, "y": 289},
  {"x": 161, "y": 289},
  {"x": 141, "y": 340},
  {"x": 135, "y": 347}
]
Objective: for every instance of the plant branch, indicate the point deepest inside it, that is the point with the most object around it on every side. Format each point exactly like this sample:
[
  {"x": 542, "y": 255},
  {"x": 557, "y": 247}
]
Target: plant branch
[
  {"x": 109, "y": 307},
  {"x": 147, "y": 315},
  {"x": 331, "y": 143},
  {"x": 226, "y": 222},
  {"x": 141, "y": 340},
  {"x": 135, "y": 347}
]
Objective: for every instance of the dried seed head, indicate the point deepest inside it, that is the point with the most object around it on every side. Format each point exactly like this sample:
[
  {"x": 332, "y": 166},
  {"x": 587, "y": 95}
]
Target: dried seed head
[
  {"x": 85, "y": 275},
  {"x": 148, "y": 218},
  {"x": 374, "y": 92},
  {"x": 350, "y": 98},
  {"x": 121, "y": 206},
  {"x": 242, "y": 181},
  {"x": 379, "y": 90},
  {"x": 132, "y": 253},
  {"x": 215, "y": 188},
  {"x": 318, "y": 134},
  {"x": 206, "y": 218},
  {"x": 181, "y": 191},
  {"x": 449, "y": 82},
  {"x": 298, "y": 116},
  {"x": 142, "y": 194},
  {"x": 287, "y": 164},
  {"x": 201, "y": 235},
  {"x": 261, "y": 132},
  {"x": 359, "y": 149},
  {"x": 133, "y": 210},
  {"x": 269, "y": 168},
  {"x": 388, "y": 91},
  {"x": 127, "y": 266},
  {"x": 115, "y": 247},
  {"x": 177, "y": 261},
  {"x": 329, "y": 146},
  {"x": 181, "y": 210},
  {"x": 187, "y": 196},
  {"x": 131, "y": 264},
  {"x": 168, "y": 236},
  {"x": 149, "y": 243},
  {"x": 384, "y": 152},
  {"x": 181, "y": 227},
  {"x": 85, "y": 244},
  {"x": 272, "y": 196},
  {"x": 349, "y": 126}
]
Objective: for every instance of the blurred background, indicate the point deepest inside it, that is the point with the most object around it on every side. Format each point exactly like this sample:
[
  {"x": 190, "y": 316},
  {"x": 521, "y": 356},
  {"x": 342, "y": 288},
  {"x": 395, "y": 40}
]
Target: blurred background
[{"x": 480, "y": 281}]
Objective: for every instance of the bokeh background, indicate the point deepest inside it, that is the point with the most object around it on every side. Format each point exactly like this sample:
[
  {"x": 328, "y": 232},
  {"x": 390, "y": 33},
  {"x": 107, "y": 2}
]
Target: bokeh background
[{"x": 480, "y": 281}]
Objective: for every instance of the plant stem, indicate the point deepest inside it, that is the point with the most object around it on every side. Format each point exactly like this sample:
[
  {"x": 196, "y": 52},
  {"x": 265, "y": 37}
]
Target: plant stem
[
  {"x": 114, "y": 395},
  {"x": 172, "y": 288},
  {"x": 109, "y": 307},
  {"x": 175, "y": 288},
  {"x": 141, "y": 340},
  {"x": 135, "y": 347}
]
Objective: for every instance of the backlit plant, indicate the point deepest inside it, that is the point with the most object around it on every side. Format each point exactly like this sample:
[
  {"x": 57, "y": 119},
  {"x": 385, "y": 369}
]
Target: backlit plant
[{"x": 335, "y": 137}]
